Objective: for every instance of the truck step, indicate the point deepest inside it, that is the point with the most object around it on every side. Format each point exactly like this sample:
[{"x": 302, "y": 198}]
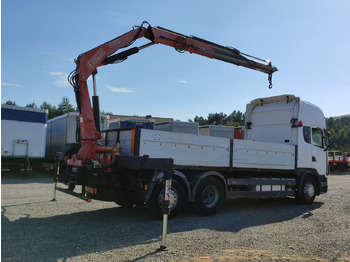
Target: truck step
[
  {"x": 259, "y": 194},
  {"x": 261, "y": 181}
]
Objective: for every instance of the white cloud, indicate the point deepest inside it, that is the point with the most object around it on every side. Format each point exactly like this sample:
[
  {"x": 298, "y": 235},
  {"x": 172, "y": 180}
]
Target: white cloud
[
  {"x": 61, "y": 79},
  {"x": 120, "y": 89},
  {"x": 56, "y": 54},
  {"x": 10, "y": 84},
  {"x": 56, "y": 73},
  {"x": 183, "y": 81}
]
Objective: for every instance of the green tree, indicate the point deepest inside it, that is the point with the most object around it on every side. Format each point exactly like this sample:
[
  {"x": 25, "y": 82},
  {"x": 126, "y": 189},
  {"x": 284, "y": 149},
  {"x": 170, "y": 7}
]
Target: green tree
[
  {"x": 65, "y": 106},
  {"x": 10, "y": 103},
  {"x": 339, "y": 127},
  {"x": 200, "y": 120},
  {"x": 52, "y": 109},
  {"x": 217, "y": 119},
  {"x": 236, "y": 118},
  {"x": 32, "y": 105},
  {"x": 106, "y": 113}
]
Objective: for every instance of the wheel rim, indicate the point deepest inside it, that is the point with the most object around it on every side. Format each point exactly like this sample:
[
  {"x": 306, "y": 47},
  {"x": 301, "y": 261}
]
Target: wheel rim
[
  {"x": 309, "y": 190},
  {"x": 173, "y": 198},
  {"x": 210, "y": 196}
]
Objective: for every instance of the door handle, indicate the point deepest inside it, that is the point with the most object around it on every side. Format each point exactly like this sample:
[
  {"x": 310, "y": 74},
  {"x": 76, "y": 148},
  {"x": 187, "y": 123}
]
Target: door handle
[{"x": 314, "y": 159}]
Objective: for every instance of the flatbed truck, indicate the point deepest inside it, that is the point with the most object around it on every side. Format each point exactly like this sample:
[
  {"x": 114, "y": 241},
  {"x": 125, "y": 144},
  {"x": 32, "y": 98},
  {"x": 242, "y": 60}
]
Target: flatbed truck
[{"x": 283, "y": 153}]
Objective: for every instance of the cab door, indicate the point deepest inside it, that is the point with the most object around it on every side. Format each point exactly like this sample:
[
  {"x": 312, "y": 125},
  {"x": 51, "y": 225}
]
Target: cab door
[
  {"x": 319, "y": 155},
  {"x": 311, "y": 153}
]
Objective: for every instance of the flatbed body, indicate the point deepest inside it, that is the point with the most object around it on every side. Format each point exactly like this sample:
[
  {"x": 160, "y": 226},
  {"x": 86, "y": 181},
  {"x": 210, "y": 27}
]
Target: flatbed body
[{"x": 195, "y": 151}]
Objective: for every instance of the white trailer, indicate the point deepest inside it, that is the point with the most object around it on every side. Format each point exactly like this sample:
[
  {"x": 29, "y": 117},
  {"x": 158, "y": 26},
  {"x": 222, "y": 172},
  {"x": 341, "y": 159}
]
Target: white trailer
[
  {"x": 283, "y": 153},
  {"x": 63, "y": 130},
  {"x": 23, "y": 136}
]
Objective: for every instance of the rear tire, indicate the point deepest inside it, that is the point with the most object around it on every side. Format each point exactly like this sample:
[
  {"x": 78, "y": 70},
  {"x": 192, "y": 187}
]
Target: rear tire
[
  {"x": 209, "y": 196},
  {"x": 154, "y": 204}
]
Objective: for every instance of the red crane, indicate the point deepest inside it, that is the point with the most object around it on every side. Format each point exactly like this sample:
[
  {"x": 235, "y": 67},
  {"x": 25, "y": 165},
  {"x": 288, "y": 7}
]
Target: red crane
[{"x": 87, "y": 64}]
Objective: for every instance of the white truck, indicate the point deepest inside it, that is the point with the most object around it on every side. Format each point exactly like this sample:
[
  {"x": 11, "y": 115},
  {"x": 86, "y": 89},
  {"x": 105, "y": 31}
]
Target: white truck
[
  {"x": 283, "y": 153},
  {"x": 23, "y": 136}
]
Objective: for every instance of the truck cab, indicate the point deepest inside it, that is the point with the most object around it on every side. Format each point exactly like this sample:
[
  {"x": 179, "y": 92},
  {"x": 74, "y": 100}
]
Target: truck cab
[{"x": 286, "y": 119}]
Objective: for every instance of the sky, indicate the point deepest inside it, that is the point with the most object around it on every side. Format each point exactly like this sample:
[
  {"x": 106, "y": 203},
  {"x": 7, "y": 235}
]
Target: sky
[{"x": 308, "y": 41}]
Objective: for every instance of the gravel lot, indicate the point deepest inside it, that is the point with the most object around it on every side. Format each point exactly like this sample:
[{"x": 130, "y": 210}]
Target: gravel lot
[{"x": 33, "y": 228}]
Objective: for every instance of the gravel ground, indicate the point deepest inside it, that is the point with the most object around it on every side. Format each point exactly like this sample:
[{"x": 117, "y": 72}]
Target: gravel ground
[{"x": 33, "y": 228}]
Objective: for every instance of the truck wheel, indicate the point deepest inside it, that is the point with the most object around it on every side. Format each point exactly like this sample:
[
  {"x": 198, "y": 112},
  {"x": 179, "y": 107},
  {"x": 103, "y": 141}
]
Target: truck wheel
[
  {"x": 307, "y": 192},
  {"x": 209, "y": 196},
  {"x": 177, "y": 200}
]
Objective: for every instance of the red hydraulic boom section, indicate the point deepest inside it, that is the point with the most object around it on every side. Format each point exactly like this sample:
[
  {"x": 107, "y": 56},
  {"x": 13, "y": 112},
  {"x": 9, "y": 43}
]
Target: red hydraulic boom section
[{"x": 87, "y": 64}]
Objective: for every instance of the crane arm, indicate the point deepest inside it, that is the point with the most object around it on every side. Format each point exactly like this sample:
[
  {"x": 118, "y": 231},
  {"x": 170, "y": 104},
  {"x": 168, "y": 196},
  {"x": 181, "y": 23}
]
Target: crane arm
[
  {"x": 88, "y": 62},
  {"x": 102, "y": 55},
  {"x": 192, "y": 44}
]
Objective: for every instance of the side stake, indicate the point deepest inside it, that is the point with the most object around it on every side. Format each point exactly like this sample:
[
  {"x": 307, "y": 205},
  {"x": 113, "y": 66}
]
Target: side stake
[
  {"x": 56, "y": 179},
  {"x": 166, "y": 212}
]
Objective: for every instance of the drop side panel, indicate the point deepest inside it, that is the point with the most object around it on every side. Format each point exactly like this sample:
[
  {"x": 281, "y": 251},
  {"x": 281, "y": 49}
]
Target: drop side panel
[
  {"x": 262, "y": 155},
  {"x": 185, "y": 149}
]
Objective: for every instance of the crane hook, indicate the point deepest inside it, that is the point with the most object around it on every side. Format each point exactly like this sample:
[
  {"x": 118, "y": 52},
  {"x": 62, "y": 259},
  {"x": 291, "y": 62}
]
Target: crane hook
[{"x": 270, "y": 81}]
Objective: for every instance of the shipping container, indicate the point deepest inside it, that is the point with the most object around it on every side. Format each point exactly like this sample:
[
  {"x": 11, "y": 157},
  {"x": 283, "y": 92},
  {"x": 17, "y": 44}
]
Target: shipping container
[{"x": 122, "y": 123}]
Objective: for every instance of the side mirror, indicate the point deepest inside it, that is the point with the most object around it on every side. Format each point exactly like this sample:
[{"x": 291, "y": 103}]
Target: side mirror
[{"x": 327, "y": 140}]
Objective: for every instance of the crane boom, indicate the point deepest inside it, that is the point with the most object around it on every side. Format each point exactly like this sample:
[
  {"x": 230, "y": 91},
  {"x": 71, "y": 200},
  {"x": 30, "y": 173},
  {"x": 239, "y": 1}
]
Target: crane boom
[
  {"x": 88, "y": 62},
  {"x": 208, "y": 49}
]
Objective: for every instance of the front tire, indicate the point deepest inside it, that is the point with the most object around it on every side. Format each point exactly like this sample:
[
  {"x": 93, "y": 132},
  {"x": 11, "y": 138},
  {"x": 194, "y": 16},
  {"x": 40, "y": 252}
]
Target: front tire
[
  {"x": 307, "y": 191},
  {"x": 209, "y": 196}
]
